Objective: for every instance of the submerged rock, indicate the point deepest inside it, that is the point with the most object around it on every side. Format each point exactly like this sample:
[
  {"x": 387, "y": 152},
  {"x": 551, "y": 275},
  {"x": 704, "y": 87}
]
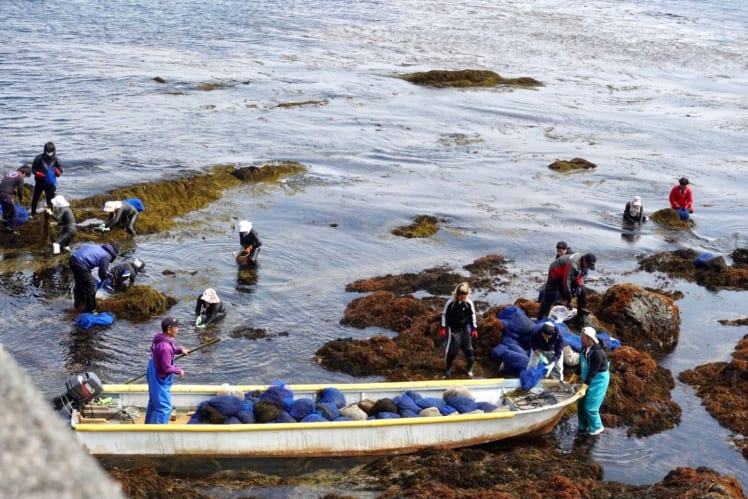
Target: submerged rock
[
  {"x": 572, "y": 164},
  {"x": 467, "y": 78},
  {"x": 714, "y": 274}
]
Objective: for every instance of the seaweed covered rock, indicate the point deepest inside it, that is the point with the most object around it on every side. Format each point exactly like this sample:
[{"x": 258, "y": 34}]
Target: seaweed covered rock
[
  {"x": 668, "y": 218},
  {"x": 644, "y": 319},
  {"x": 422, "y": 226},
  {"x": 714, "y": 274},
  {"x": 467, "y": 78},
  {"x": 639, "y": 394},
  {"x": 561, "y": 165},
  {"x": 139, "y": 303},
  {"x": 384, "y": 309},
  {"x": 723, "y": 388}
]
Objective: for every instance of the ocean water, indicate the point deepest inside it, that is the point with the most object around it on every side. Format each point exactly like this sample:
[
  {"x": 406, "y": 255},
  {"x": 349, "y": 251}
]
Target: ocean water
[{"x": 647, "y": 90}]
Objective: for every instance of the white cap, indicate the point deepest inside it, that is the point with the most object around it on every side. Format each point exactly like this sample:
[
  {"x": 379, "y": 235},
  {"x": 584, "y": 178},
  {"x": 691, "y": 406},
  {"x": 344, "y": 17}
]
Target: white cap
[
  {"x": 59, "y": 201},
  {"x": 210, "y": 296},
  {"x": 245, "y": 226},
  {"x": 637, "y": 201},
  {"x": 590, "y": 331},
  {"x": 112, "y": 206}
]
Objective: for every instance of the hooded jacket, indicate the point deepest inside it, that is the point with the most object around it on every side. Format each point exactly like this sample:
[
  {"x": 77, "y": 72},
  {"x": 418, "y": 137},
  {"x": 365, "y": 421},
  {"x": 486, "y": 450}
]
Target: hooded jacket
[
  {"x": 163, "y": 349},
  {"x": 568, "y": 270},
  {"x": 92, "y": 256}
]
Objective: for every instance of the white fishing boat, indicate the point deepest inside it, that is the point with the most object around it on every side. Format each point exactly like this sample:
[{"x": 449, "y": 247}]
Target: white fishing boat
[{"x": 115, "y": 427}]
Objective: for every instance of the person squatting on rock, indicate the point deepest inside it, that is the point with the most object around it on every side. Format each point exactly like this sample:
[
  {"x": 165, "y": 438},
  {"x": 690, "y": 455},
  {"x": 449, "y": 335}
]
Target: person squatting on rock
[
  {"x": 633, "y": 213},
  {"x": 458, "y": 326},
  {"x": 548, "y": 343},
  {"x": 566, "y": 277},
  {"x": 681, "y": 199},
  {"x": 595, "y": 379},
  {"x": 121, "y": 214},
  {"x": 249, "y": 241},
  {"x": 10, "y": 186},
  {"x": 160, "y": 372},
  {"x": 65, "y": 219},
  {"x": 46, "y": 168},
  {"x": 82, "y": 262},
  {"x": 209, "y": 308},
  {"x": 122, "y": 276}
]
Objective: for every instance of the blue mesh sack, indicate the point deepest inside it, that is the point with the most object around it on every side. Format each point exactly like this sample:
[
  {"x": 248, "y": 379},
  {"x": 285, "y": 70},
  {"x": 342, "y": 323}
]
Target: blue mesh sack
[
  {"x": 425, "y": 402},
  {"x": 413, "y": 395},
  {"x": 313, "y": 418},
  {"x": 387, "y": 415},
  {"x": 405, "y": 403},
  {"x": 195, "y": 418},
  {"x": 284, "y": 417},
  {"x": 462, "y": 404},
  {"x": 343, "y": 418},
  {"x": 278, "y": 394},
  {"x": 514, "y": 360},
  {"x": 486, "y": 406},
  {"x": 228, "y": 405},
  {"x": 516, "y": 324},
  {"x": 300, "y": 408},
  {"x": 233, "y": 420},
  {"x": 246, "y": 417},
  {"x": 447, "y": 410},
  {"x": 328, "y": 409},
  {"x": 332, "y": 395},
  {"x": 87, "y": 320},
  {"x": 407, "y": 413},
  {"x": 608, "y": 342},
  {"x": 530, "y": 377}
]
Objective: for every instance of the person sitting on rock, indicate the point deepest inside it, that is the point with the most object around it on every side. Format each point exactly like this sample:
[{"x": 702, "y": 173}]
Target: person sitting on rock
[{"x": 681, "y": 199}]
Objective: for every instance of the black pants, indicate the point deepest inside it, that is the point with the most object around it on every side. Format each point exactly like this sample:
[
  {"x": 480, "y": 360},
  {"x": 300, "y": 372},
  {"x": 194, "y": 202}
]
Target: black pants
[
  {"x": 84, "y": 292},
  {"x": 8, "y": 202},
  {"x": 67, "y": 233},
  {"x": 49, "y": 192},
  {"x": 553, "y": 292},
  {"x": 460, "y": 339}
]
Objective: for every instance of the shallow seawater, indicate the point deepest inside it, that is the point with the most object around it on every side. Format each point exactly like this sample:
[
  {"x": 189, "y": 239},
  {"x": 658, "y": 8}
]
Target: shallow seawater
[{"x": 648, "y": 91}]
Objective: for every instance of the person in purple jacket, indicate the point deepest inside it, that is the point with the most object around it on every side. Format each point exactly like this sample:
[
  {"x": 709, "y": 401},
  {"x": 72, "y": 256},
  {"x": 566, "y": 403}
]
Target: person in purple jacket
[
  {"x": 82, "y": 262},
  {"x": 161, "y": 371}
]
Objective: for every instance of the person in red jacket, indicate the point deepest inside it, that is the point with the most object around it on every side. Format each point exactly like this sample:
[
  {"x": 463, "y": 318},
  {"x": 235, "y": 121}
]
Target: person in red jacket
[
  {"x": 681, "y": 199},
  {"x": 566, "y": 278}
]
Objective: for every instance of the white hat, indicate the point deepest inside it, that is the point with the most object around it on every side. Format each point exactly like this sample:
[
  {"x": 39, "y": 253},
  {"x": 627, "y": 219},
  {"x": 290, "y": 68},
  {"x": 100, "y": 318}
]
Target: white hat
[
  {"x": 112, "y": 206},
  {"x": 245, "y": 226},
  {"x": 210, "y": 296},
  {"x": 59, "y": 201},
  {"x": 590, "y": 331},
  {"x": 637, "y": 201}
]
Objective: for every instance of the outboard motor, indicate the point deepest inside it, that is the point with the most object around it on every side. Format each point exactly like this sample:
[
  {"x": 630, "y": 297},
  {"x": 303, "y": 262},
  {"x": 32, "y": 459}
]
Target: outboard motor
[{"x": 79, "y": 390}]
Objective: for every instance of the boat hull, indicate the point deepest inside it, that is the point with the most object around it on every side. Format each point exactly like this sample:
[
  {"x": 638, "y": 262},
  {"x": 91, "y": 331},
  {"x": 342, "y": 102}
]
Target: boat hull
[{"x": 335, "y": 438}]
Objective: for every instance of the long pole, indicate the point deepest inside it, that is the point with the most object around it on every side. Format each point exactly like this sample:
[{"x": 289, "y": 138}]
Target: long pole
[{"x": 211, "y": 342}]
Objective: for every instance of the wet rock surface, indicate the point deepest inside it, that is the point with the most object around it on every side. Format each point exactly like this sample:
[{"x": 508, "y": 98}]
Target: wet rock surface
[
  {"x": 467, "y": 78},
  {"x": 562, "y": 165},
  {"x": 713, "y": 274},
  {"x": 723, "y": 388},
  {"x": 533, "y": 469}
]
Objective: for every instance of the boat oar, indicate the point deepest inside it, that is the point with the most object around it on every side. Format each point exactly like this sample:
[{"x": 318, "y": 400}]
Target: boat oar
[{"x": 211, "y": 342}]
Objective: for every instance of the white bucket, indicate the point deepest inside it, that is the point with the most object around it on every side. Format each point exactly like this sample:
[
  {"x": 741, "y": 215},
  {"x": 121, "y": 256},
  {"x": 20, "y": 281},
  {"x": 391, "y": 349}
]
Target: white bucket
[{"x": 55, "y": 249}]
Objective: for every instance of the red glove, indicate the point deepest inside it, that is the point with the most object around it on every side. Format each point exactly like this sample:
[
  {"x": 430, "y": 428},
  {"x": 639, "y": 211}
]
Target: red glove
[
  {"x": 40, "y": 175},
  {"x": 57, "y": 172},
  {"x": 475, "y": 333},
  {"x": 442, "y": 333}
]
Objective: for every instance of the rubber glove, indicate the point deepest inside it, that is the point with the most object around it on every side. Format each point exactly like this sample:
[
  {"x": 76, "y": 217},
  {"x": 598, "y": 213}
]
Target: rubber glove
[
  {"x": 583, "y": 390},
  {"x": 442, "y": 333},
  {"x": 199, "y": 321},
  {"x": 48, "y": 211},
  {"x": 57, "y": 172},
  {"x": 548, "y": 370},
  {"x": 475, "y": 333},
  {"x": 40, "y": 175}
]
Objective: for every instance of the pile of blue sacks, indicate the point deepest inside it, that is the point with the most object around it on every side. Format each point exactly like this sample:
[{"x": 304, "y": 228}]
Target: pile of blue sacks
[
  {"x": 514, "y": 349},
  {"x": 277, "y": 405}
]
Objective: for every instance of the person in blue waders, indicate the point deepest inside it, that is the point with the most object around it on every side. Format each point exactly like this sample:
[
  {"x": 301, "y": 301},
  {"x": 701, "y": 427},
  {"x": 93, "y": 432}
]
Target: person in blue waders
[
  {"x": 595, "y": 379},
  {"x": 161, "y": 371}
]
